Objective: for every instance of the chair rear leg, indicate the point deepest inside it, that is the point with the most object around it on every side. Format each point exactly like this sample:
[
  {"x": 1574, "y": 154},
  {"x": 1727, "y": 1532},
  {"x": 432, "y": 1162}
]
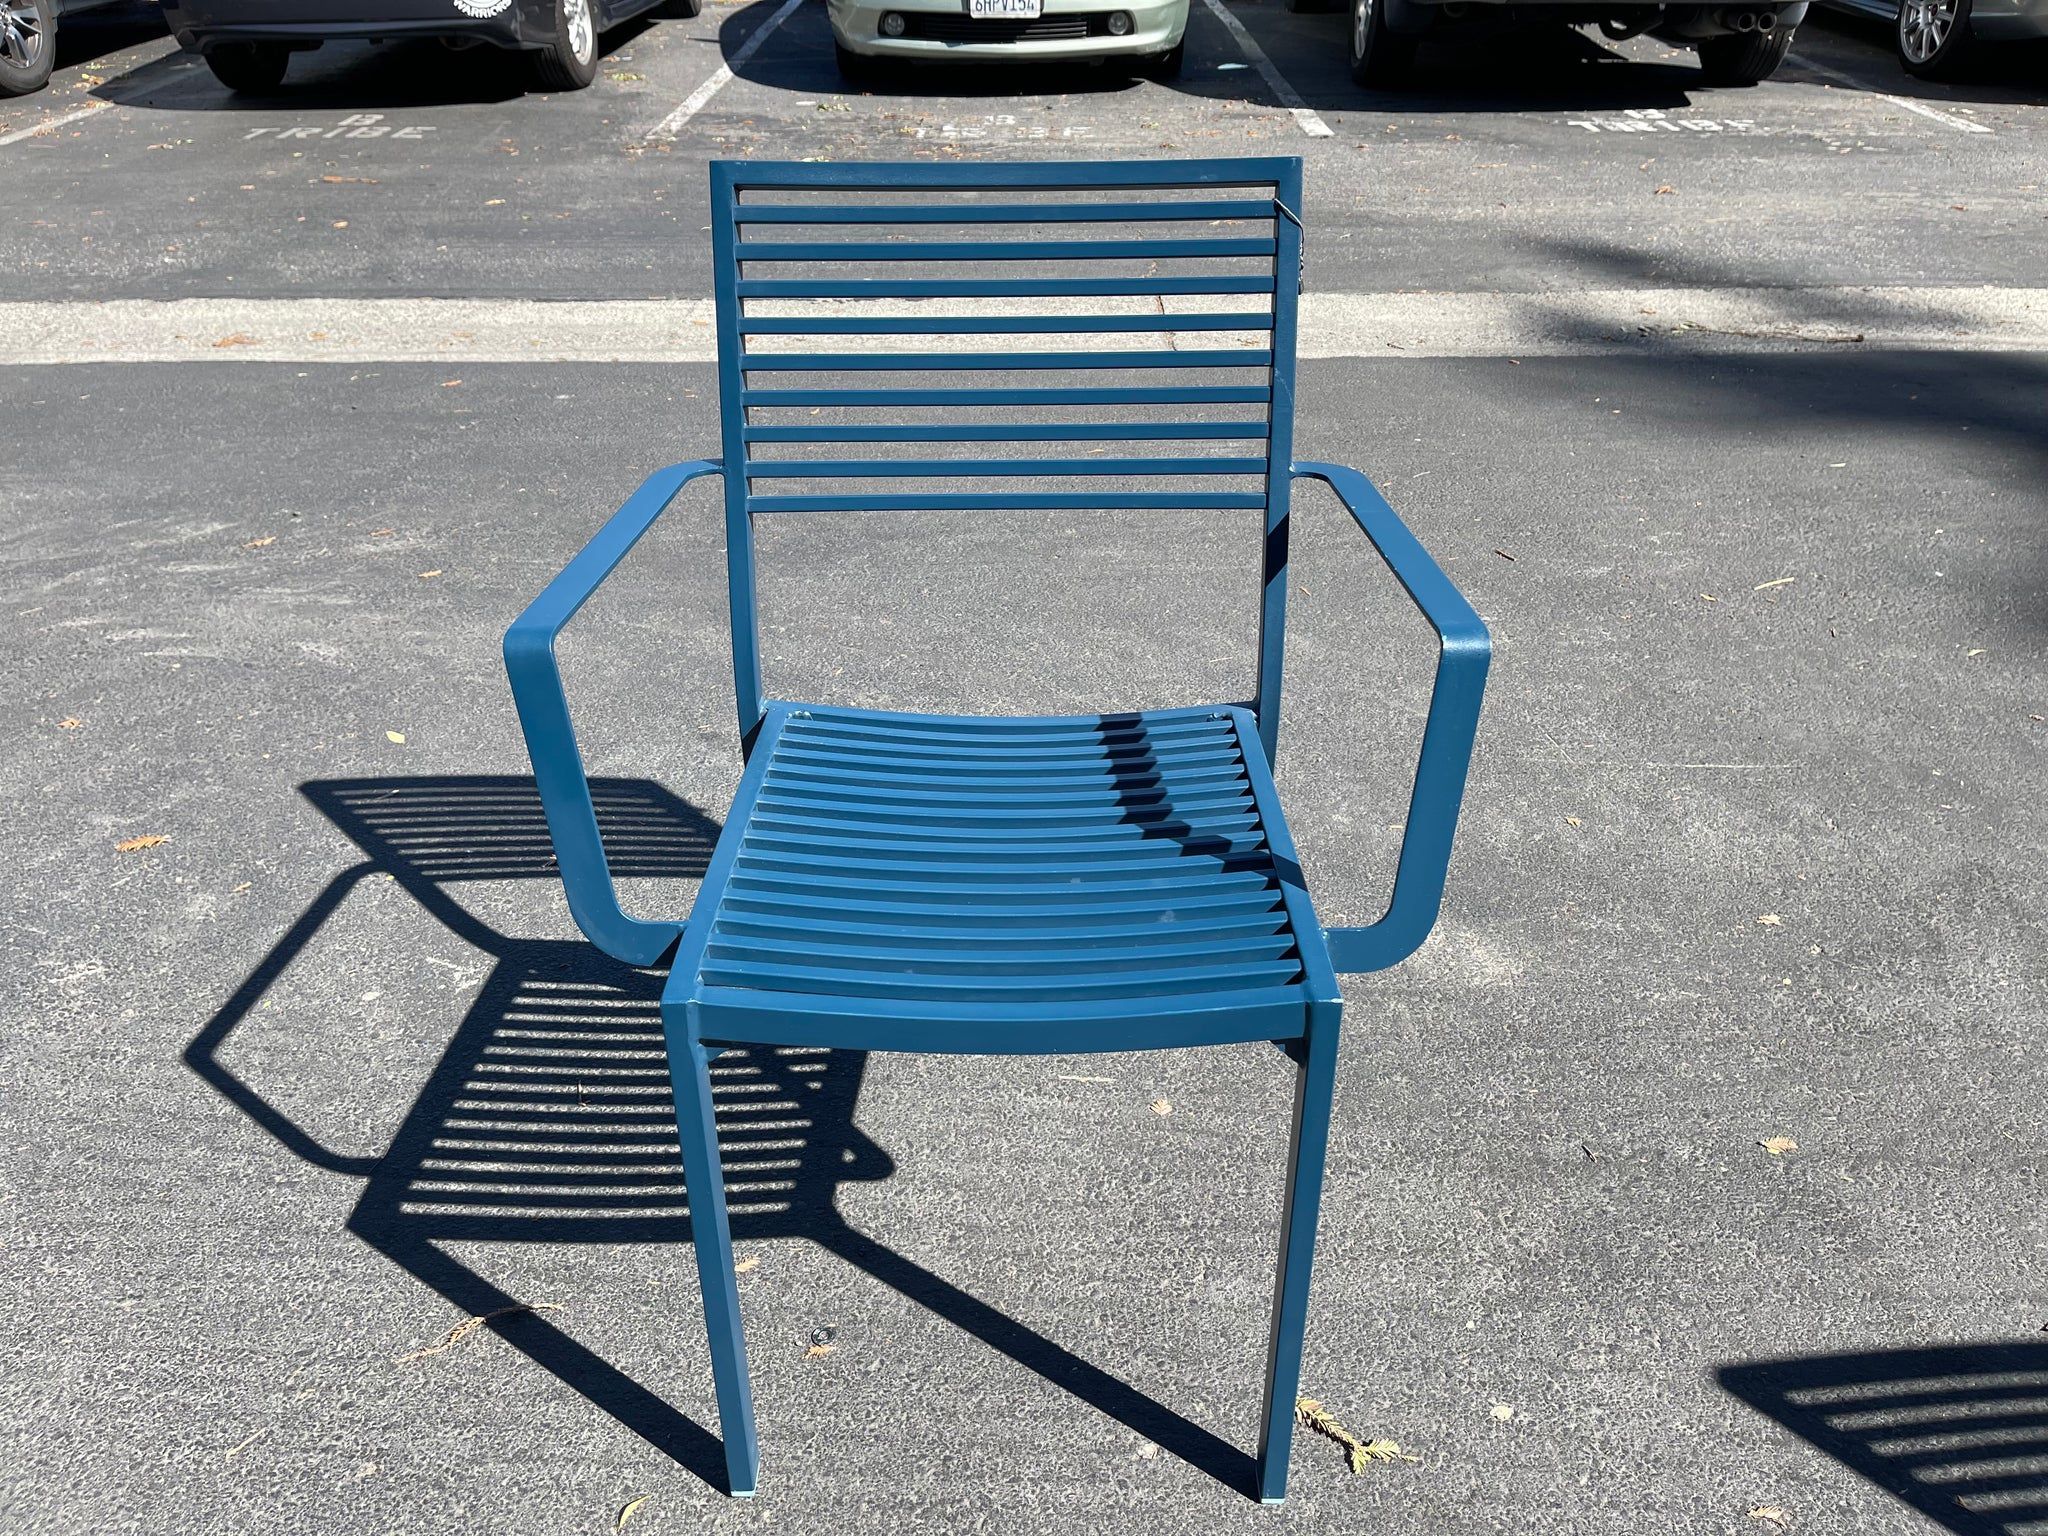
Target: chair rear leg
[
  {"x": 1314, "y": 1086},
  {"x": 690, "y": 1071}
]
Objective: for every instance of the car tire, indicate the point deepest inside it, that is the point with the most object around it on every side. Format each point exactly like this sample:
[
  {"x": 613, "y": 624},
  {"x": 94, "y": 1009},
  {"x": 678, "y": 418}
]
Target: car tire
[
  {"x": 1167, "y": 65},
  {"x": 1933, "y": 37},
  {"x": 28, "y": 45},
  {"x": 1744, "y": 58},
  {"x": 1379, "y": 58},
  {"x": 569, "y": 63},
  {"x": 249, "y": 69}
]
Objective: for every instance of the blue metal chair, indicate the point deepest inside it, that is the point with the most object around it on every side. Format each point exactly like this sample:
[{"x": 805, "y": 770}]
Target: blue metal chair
[{"x": 1103, "y": 882}]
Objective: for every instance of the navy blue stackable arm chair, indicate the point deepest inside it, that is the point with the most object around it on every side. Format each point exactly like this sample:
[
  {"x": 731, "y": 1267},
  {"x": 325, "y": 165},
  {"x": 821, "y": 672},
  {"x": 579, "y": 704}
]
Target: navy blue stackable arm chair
[{"x": 980, "y": 338}]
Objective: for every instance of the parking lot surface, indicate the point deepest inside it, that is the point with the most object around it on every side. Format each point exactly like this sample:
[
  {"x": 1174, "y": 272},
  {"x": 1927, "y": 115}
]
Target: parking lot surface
[{"x": 1689, "y": 1180}]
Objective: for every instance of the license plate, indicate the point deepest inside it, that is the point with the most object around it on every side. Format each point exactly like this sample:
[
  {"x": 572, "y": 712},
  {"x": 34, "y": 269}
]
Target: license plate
[{"x": 1006, "y": 10}]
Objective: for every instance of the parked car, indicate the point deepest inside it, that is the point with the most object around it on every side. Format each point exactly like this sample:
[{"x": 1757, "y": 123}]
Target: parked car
[
  {"x": 1935, "y": 36},
  {"x": 248, "y": 44},
  {"x": 28, "y": 40},
  {"x": 1738, "y": 43},
  {"x": 1148, "y": 34}
]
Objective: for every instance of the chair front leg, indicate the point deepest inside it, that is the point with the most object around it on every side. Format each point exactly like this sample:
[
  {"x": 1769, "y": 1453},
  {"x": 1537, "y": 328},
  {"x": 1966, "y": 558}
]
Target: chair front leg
[
  {"x": 690, "y": 1070},
  {"x": 1314, "y": 1087}
]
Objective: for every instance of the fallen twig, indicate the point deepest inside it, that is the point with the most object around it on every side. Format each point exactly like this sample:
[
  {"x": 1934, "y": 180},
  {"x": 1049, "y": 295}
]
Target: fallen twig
[
  {"x": 1360, "y": 1453},
  {"x": 470, "y": 1325}
]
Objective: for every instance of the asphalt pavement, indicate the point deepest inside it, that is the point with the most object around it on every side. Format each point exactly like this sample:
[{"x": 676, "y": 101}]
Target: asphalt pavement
[{"x": 1690, "y": 1179}]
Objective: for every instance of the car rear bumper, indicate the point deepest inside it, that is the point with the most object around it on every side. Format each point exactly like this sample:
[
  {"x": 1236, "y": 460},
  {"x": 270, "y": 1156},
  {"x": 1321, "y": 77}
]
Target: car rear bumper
[
  {"x": 1069, "y": 29},
  {"x": 202, "y": 24}
]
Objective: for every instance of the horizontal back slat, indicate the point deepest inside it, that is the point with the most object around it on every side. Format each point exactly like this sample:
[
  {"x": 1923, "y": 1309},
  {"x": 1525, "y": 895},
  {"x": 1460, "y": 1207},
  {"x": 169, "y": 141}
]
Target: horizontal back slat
[
  {"x": 995, "y": 287},
  {"x": 996, "y": 250},
  {"x": 1054, "y": 432},
  {"x": 996, "y": 325},
  {"x": 920, "y": 469},
  {"x": 1122, "y": 212},
  {"x": 998, "y": 501},
  {"x": 1002, "y": 362},
  {"x": 1189, "y": 394}
]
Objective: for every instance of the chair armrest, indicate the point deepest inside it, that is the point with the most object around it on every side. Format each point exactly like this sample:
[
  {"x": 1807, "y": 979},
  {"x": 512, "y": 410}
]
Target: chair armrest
[
  {"x": 1447, "y": 733},
  {"x": 551, "y": 739}
]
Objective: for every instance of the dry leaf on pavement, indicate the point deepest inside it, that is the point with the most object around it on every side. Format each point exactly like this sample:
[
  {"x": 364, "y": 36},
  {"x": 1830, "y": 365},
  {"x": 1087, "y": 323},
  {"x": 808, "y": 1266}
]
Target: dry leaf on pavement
[
  {"x": 626, "y": 1513},
  {"x": 1778, "y": 1146},
  {"x": 1162, "y": 1107},
  {"x": 1770, "y": 1514},
  {"x": 747, "y": 1265},
  {"x": 137, "y": 844},
  {"x": 396, "y": 738}
]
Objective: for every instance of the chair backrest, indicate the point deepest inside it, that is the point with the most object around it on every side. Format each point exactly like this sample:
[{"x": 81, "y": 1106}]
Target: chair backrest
[{"x": 991, "y": 336}]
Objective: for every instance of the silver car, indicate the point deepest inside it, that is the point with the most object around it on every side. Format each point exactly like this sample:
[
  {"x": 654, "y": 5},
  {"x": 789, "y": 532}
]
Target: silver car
[
  {"x": 867, "y": 34},
  {"x": 1934, "y": 36}
]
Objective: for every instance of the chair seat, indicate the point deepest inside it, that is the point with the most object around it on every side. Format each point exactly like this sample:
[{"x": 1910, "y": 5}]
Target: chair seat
[{"x": 973, "y": 883}]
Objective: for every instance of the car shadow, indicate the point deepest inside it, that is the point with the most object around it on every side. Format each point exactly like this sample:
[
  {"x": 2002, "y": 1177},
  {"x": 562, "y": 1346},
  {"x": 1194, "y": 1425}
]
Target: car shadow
[
  {"x": 340, "y": 76},
  {"x": 1956, "y": 1432},
  {"x": 352, "y": 76},
  {"x": 83, "y": 36},
  {"x": 548, "y": 1117}
]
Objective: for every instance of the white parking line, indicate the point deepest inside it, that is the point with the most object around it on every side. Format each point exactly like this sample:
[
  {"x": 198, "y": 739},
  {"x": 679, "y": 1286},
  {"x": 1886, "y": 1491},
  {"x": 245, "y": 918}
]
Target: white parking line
[
  {"x": 1304, "y": 115},
  {"x": 1573, "y": 323},
  {"x": 1947, "y": 119},
  {"x": 53, "y": 124},
  {"x": 673, "y": 124}
]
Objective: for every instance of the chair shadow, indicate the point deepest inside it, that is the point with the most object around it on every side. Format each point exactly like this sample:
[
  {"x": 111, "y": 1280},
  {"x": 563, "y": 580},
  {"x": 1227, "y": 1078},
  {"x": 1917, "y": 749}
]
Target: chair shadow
[
  {"x": 1958, "y": 1432},
  {"x": 549, "y": 1117}
]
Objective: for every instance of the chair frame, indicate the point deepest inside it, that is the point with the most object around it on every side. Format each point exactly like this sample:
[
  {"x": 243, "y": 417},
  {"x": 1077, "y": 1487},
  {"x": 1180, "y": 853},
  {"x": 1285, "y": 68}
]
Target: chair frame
[{"x": 1446, "y": 746}]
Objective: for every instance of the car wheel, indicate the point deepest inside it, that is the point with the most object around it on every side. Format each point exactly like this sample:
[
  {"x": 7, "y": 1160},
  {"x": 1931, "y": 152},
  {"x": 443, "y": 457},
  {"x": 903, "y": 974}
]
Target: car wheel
[
  {"x": 249, "y": 69},
  {"x": 569, "y": 63},
  {"x": 1745, "y": 57},
  {"x": 1167, "y": 65},
  {"x": 28, "y": 46},
  {"x": 1378, "y": 57},
  {"x": 1933, "y": 36}
]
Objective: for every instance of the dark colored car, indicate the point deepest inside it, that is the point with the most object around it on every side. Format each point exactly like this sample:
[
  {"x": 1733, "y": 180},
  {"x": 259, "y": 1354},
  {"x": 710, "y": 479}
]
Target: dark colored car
[
  {"x": 28, "y": 40},
  {"x": 249, "y": 43}
]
